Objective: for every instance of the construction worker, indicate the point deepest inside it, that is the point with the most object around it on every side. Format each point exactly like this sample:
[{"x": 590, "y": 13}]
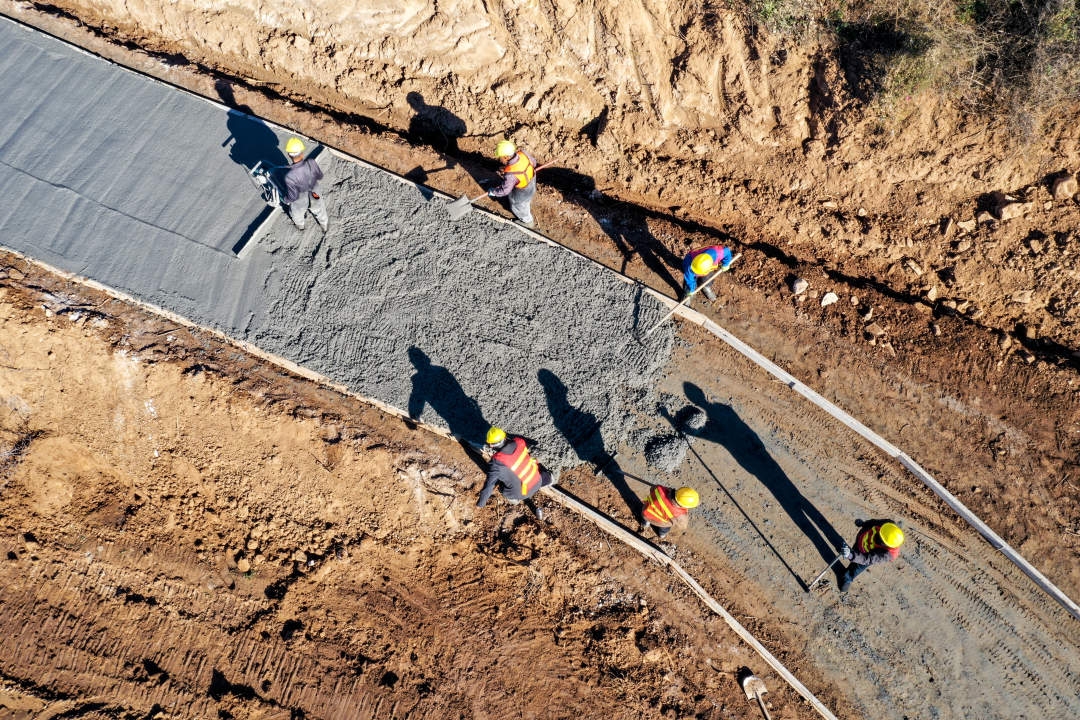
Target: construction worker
[
  {"x": 519, "y": 181},
  {"x": 878, "y": 542},
  {"x": 301, "y": 179},
  {"x": 515, "y": 469},
  {"x": 665, "y": 507},
  {"x": 701, "y": 263}
]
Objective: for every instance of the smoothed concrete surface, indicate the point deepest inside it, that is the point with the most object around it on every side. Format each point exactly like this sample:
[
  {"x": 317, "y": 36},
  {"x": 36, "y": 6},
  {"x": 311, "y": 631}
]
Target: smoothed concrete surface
[{"x": 143, "y": 188}]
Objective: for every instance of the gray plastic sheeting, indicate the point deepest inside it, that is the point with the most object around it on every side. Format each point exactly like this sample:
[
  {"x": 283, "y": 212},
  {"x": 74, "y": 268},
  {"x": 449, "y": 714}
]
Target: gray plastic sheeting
[{"x": 141, "y": 187}]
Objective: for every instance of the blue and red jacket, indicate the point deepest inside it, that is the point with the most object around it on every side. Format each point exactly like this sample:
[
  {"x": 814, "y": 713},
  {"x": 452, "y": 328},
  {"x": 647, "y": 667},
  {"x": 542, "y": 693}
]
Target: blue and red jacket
[{"x": 721, "y": 256}]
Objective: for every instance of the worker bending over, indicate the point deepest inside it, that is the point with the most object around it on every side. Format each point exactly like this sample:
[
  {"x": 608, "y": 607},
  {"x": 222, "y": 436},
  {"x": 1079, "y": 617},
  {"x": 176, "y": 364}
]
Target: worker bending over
[
  {"x": 666, "y": 507},
  {"x": 519, "y": 181},
  {"x": 515, "y": 470},
  {"x": 701, "y": 263},
  {"x": 878, "y": 542},
  {"x": 301, "y": 179}
]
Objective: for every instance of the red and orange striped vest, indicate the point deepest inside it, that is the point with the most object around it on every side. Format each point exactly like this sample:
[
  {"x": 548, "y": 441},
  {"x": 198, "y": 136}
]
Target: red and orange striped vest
[
  {"x": 521, "y": 463},
  {"x": 660, "y": 507}
]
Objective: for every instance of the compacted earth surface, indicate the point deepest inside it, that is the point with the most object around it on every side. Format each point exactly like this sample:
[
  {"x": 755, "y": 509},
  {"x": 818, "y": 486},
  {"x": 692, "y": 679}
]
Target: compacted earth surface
[{"x": 192, "y": 532}]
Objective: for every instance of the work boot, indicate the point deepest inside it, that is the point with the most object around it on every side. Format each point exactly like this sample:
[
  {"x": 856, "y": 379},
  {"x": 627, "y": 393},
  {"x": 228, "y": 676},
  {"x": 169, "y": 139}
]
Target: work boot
[
  {"x": 537, "y": 510},
  {"x": 325, "y": 226},
  {"x": 844, "y": 581}
]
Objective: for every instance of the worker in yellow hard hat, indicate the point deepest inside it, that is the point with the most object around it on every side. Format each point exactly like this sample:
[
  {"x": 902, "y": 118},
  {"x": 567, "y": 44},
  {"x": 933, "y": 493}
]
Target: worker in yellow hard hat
[
  {"x": 519, "y": 181},
  {"x": 301, "y": 180},
  {"x": 514, "y": 469},
  {"x": 701, "y": 263},
  {"x": 878, "y": 542},
  {"x": 666, "y": 507}
]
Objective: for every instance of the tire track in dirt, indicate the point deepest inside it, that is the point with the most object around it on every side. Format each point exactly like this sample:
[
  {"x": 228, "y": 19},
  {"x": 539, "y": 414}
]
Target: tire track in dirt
[
  {"x": 951, "y": 629},
  {"x": 92, "y": 637}
]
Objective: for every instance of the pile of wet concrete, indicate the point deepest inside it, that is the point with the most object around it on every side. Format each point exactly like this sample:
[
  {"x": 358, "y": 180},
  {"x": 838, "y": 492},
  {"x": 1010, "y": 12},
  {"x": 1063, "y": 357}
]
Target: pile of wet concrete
[{"x": 462, "y": 323}]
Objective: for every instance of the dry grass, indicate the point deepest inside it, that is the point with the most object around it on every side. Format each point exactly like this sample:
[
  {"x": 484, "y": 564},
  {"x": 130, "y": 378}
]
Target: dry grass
[{"x": 1014, "y": 59}]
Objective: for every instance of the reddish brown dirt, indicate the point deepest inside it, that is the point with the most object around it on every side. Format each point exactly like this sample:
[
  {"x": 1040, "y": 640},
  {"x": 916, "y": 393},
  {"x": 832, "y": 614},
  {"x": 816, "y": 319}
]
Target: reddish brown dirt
[
  {"x": 951, "y": 378},
  {"x": 190, "y": 532}
]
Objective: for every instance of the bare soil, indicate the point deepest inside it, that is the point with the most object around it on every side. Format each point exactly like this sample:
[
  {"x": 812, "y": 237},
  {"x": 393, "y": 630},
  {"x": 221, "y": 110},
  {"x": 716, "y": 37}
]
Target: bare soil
[
  {"x": 190, "y": 532},
  {"x": 981, "y": 390}
]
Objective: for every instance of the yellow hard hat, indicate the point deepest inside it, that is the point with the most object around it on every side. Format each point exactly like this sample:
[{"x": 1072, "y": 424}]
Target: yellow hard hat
[
  {"x": 703, "y": 264},
  {"x": 891, "y": 535},
  {"x": 505, "y": 148},
  {"x": 687, "y": 497},
  {"x": 294, "y": 146},
  {"x": 496, "y": 436}
]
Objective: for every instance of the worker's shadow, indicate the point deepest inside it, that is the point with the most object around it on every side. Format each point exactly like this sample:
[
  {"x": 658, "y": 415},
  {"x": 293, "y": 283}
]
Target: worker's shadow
[
  {"x": 436, "y": 387},
  {"x": 438, "y": 128},
  {"x": 250, "y": 139},
  {"x": 624, "y": 223},
  {"x": 582, "y": 430},
  {"x": 724, "y": 427}
]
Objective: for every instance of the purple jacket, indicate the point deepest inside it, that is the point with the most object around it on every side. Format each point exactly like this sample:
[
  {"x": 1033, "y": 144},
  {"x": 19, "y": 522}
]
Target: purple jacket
[{"x": 301, "y": 177}]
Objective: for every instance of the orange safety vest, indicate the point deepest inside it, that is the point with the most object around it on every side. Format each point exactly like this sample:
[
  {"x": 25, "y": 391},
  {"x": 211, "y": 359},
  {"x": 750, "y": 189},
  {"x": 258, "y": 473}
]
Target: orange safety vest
[
  {"x": 868, "y": 540},
  {"x": 661, "y": 508},
  {"x": 521, "y": 167},
  {"x": 521, "y": 463}
]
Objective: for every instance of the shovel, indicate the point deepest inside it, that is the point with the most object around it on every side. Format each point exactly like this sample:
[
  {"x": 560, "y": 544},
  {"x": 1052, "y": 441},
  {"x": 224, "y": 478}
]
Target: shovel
[
  {"x": 690, "y": 296},
  {"x": 461, "y": 207},
  {"x": 828, "y": 567},
  {"x": 754, "y": 688}
]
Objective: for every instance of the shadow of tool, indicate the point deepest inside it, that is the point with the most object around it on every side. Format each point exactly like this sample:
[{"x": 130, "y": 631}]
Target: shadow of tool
[
  {"x": 436, "y": 387},
  {"x": 724, "y": 427},
  {"x": 625, "y": 224},
  {"x": 250, "y": 142},
  {"x": 719, "y": 484},
  {"x": 582, "y": 430}
]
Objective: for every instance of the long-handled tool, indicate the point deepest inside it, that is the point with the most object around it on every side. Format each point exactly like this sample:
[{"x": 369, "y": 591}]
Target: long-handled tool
[
  {"x": 463, "y": 205},
  {"x": 843, "y": 553},
  {"x": 689, "y": 297},
  {"x": 754, "y": 688},
  {"x": 263, "y": 180}
]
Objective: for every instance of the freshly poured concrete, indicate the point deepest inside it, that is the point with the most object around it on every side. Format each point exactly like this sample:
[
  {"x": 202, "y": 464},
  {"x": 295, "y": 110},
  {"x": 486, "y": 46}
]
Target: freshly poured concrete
[{"x": 143, "y": 188}]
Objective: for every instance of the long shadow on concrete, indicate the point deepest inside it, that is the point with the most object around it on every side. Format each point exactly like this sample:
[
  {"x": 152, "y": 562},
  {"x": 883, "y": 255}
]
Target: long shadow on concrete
[
  {"x": 436, "y": 387},
  {"x": 250, "y": 139},
  {"x": 725, "y": 427},
  {"x": 582, "y": 430},
  {"x": 250, "y": 142}
]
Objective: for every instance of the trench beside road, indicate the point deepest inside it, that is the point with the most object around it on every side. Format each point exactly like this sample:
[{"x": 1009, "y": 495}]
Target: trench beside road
[{"x": 143, "y": 188}]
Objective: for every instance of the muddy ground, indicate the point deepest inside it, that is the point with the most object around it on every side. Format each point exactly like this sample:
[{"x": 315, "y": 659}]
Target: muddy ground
[{"x": 981, "y": 391}]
